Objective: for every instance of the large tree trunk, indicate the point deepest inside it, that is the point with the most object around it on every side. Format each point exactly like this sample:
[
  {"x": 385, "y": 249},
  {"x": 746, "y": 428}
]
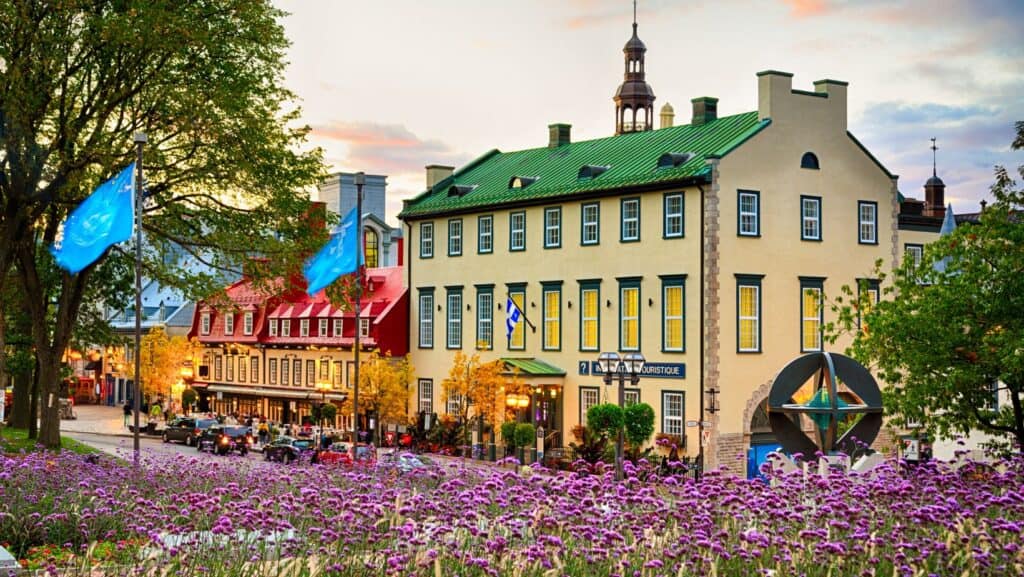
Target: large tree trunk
[
  {"x": 48, "y": 385},
  {"x": 21, "y": 410},
  {"x": 33, "y": 403}
]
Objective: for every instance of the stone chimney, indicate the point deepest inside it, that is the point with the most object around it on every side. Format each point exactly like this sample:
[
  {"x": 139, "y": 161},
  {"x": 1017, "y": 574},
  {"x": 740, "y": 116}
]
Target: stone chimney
[
  {"x": 668, "y": 116},
  {"x": 558, "y": 134},
  {"x": 436, "y": 173},
  {"x": 705, "y": 109}
]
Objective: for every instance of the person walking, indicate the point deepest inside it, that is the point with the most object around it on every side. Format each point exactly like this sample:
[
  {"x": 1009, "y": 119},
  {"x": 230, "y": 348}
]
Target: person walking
[
  {"x": 127, "y": 413},
  {"x": 264, "y": 432}
]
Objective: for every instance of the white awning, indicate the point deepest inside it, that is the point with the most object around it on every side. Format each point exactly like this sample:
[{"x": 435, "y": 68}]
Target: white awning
[{"x": 279, "y": 393}]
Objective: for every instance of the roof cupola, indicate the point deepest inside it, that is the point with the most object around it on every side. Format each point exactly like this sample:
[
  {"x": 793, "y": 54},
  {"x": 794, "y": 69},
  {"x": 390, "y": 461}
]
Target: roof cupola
[{"x": 634, "y": 100}]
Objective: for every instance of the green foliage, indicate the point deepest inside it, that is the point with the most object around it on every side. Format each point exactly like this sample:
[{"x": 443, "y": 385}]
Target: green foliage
[
  {"x": 325, "y": 411},
  {"x": 589, "y": 446},
  {"x": 605, "y": 419},
  {"x": 189, "y": 397},
  {"x": 526, "y": 435},
  {"x": 942, "y": 339},
  {"x": 639, "y": 419},
  {"x": 508, "y": 433}
]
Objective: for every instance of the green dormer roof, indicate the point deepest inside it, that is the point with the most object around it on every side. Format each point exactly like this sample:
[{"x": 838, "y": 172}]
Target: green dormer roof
[{"x": 554, "y": 174}]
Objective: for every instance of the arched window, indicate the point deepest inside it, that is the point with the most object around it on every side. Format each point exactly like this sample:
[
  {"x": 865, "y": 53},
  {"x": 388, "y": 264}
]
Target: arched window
[
  {"x": 809, "y": 160},
  {"x": 371, "y": 248}
]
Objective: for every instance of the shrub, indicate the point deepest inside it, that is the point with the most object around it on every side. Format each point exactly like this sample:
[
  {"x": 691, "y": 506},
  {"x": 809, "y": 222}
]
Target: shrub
[
  {"x": 605, "y": 419},
  {"x": 639, "y": 424},
  {"x": 526, "y": 435},
  {"x": 508, "y": 433},
  {"x": 589, "y": 446}
]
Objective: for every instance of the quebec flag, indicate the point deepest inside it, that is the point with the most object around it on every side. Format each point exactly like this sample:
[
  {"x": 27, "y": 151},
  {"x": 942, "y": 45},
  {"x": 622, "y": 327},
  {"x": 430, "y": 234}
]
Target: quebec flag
[
  {"x": 103, "y": 219},
  {"x": 337, "y": 257},
  {"x": 512, "y": 317}
]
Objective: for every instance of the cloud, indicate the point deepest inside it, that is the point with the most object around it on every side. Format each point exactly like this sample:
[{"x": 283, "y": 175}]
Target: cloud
[
  {"x": 390, "y": 149},
  {"x": 807, "y": 8},
  {"x": 901, "y": 113}
]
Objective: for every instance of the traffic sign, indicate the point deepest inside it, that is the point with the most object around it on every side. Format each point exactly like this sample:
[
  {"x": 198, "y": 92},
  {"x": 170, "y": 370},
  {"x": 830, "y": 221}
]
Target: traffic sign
[
  {"x": 707, "y": 424},
  {"x": 705, "y": 438},
  {"x": 691, "y": 423}
]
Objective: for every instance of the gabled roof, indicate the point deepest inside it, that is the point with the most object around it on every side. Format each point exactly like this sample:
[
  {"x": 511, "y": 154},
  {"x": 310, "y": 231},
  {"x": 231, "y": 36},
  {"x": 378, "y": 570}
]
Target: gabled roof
[{"x": 632, "y": 159}]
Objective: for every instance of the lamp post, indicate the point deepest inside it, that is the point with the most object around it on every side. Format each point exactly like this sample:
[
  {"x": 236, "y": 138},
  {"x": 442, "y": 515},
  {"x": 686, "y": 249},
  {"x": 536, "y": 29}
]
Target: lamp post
[
  {"x": 629, "y": 364},
  {"x": 323, "y": 387},
  {"x": 140, "y": 141},
  {"x": 359, "y": 179}
]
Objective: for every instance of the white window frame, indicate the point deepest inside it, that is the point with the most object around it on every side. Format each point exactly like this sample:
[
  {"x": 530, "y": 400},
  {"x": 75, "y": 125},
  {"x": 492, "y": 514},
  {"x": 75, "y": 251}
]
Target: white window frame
[
  {"x": 286, "y": 371},
  {"x": 426, "y": 240},
  {"x": 553, "y": 227},
  {"x": 817, "y": 319},
  {"x": 629, "y": 222},
  {"x": 673, "y": 219},
  {"x": 517, "y": 234},
  {"x": 272, "y": 370},
  {"x": 485, "y": 234},
  {"x": 364, "y": 328},
  {"x": 453, "y": 404},
  {"x": 672, "y": 417},
  {"x": 593, "y": 226},
  {"x": 631, "y": 397},
  {"x": 323, "y": 328},
  {"x": 229, "y": 324},
  {"x": 455, "y": 237},
  {"x": 286, "y": 327},
  {"x": 810, "y": 225},
  {"x": 336, "y": 328},
  {"x": 425, "y": 395},
  {"x": 753, "y": 227},
  {"x": 204, "y": 324},
  {"x": 453, "y": 323},
  {"x": 272, "y": 328},
  {"x": 914, "y": 251},
  {"x": 247, "y": 323},
  {"x": 303, "y": 327},
  {"x": 551, "y": 316},
  {"x": 485, "y": 320},
  {"x": 254, "y": 369},
  {"x": 867, "y": 225},
  {"x": 426, "y": 310},
  {"x": 589, "y": 396}
]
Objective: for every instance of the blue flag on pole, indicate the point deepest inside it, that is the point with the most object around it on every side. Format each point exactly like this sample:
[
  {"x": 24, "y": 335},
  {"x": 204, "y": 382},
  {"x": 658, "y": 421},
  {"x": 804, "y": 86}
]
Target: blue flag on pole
[
  {"x": 336, "y": 258},
  {"x": 512, "y": 317},
  {"x": 103, "y": 219}
]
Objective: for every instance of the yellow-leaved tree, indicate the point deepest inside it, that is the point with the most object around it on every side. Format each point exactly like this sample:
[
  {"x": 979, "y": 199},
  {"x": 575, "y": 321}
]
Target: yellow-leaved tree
[
  {"x": 161, "y": 360},
  {"x": 384, "y": 387},
  {"x": 471, "y": 381}
]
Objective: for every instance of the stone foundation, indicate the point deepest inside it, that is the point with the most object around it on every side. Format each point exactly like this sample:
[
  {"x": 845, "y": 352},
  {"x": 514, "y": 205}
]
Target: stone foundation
[{"x": 732, "y": 453}]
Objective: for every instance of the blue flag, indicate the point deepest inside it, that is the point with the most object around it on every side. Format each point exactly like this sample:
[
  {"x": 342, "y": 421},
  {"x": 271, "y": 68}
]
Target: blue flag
[
  {"x": 512, "y": 317},
  {"x": 103, "y": 219},
  {"x": 336, "y": 258}
]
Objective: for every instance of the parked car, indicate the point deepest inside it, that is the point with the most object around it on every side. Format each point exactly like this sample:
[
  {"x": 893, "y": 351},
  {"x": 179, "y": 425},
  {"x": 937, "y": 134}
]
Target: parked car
[
  {"x": 186, "y": 429},
  {"x": 405, "y": 462},
  {"x": 223, "y": 439},
  {"x": 288, "y": 449},
  {"x": 336, "y": 454}
]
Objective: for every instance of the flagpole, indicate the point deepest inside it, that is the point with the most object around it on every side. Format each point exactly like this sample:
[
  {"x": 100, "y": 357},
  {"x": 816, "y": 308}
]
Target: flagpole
[
  {"x": 140, "y": 141},
  {"x": 359, "y": 179},
  {"x": 521, "y": 311}
]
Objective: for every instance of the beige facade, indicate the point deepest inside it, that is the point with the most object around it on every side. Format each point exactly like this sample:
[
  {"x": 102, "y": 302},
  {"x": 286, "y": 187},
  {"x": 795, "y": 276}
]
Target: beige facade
[{"x": 804, "y": 227}]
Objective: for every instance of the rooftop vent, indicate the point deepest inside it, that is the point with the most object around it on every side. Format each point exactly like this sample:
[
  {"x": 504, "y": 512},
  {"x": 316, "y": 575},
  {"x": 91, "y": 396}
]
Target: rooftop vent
[
  {"x": 673, "y": 159},
  {"x": 588, "y": 171},
  {"x": 522, "y": 181},
  {"x": 460, "y": 189}
]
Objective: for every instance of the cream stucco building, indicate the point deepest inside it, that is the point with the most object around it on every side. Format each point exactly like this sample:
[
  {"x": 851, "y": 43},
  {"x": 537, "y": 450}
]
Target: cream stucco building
[{"x": 707, "y": 247}]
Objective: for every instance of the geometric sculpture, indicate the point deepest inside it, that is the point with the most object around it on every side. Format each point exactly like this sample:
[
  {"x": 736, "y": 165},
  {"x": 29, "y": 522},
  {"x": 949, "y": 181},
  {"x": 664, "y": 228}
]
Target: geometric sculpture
[{"x": 824, "y": 407}]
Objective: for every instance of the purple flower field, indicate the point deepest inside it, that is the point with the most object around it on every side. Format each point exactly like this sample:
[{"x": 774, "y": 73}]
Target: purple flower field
[{"x": 459, "y": 521}]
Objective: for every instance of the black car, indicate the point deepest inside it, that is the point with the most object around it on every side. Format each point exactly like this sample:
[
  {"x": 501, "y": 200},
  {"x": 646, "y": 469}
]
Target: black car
[
  {"x": 186, "y": 429},
  {"x": 288, "y": 449},
  {"x": 223, "y": 439}
]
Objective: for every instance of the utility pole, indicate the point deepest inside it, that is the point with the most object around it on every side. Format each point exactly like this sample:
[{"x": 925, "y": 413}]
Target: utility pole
[
  {"x": 140, "y": 141},
  {"x": 360, "y": 180}
]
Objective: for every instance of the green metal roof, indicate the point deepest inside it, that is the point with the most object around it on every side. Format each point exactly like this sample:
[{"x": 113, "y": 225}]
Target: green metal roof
[
  {"x": 632, "y": 161},
  {"x": 535, "y": 367}
]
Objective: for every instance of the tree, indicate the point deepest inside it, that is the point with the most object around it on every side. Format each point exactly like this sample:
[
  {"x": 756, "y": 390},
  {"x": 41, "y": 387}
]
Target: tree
[
  {"x": 638, "y": 419},
  {"x": 384, "y": 386},
  {"x": 225, "y": 171},
  {"x": 161, "y": 360},
  {"x": 472, "y": 381},
  {"x": 948, "y": 339}
]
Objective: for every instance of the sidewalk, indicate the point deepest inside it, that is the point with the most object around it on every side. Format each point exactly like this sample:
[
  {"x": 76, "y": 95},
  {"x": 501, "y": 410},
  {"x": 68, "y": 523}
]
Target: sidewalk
[{"x": 99, "y": 420}]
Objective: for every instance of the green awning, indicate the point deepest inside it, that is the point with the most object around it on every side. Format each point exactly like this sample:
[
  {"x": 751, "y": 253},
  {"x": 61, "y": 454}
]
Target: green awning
[{"x": 535, "y": 367}]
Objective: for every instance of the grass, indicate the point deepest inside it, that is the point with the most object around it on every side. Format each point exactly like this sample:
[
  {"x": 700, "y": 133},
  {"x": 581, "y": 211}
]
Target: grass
[{"x": 16, "y": 441}]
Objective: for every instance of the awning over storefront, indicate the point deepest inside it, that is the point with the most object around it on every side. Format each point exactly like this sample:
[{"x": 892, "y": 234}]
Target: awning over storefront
[
  {"x": 94, "y": 365},
  {"x": 279, "y": 393},
  {"x": 533, "y": 367}
]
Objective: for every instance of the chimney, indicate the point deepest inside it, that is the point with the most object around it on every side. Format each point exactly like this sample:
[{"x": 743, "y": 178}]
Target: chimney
[
  {"x": 773, "y": 89},
  {"x": 835, "y": 90},
  {"x": 436, "y": 173},
  {"x": 558, "y": 134},
  {"x": 705, "y": 109},
  {"x": 668, "y": 116}
]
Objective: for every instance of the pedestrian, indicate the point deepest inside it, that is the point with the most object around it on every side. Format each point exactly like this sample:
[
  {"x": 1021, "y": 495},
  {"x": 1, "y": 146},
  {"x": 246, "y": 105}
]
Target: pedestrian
[
  {"x": 263, "y": 431},
  {"x": 127, "y": 413}
]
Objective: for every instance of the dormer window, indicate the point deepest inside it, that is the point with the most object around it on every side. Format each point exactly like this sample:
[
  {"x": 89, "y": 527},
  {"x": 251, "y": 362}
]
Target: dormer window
[
  {"x": 522, "y": 181},
  {"x": 673, "y": 159},
  {"x": 809, "y": 160},
  {"x": 589, "y": 171},
  {"x": 247, "y": 323},
  {"x": 460, "y": 190},
  {"x": 229, "y": 324},
  {"x": 204, "y": 324}
]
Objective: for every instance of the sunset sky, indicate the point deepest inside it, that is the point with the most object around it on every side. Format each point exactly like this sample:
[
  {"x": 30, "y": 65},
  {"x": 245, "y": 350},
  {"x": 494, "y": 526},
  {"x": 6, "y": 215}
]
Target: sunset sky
[{"x": 389, "y": 86}]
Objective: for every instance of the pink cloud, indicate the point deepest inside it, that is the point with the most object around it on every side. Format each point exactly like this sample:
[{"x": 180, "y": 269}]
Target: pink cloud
[
  {"x": 807, "y": 8},
  {"x": 390, "y": 149}
]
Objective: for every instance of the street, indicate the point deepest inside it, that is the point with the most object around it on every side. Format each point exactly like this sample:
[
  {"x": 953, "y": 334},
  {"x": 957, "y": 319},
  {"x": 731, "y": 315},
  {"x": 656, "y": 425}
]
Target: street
[{"x": 122, "y": 447}]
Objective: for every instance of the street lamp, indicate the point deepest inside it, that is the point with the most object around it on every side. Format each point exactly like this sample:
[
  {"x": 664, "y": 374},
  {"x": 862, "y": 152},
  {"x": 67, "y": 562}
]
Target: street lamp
[
  {"x": 629, "y": 364},
  {"x": 323, "y": 387}
]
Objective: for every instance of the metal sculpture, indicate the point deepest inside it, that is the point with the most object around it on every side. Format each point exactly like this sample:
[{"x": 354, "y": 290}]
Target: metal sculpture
[{"x": 825, "y": 408}]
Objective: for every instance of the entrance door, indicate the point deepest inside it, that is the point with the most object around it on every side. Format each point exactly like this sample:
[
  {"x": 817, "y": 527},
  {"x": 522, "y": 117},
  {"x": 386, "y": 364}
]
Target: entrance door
[{"x": 548, "y": 414}]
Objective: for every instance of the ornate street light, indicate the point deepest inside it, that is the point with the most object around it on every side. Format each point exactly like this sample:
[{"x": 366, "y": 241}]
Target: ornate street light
[
  {"x": 629, "y": 364},
  {"x": 324, "y": 387}
]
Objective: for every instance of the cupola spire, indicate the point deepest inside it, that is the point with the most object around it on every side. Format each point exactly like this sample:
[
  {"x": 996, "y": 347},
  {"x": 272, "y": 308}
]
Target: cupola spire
[{"x": 634, "y": 100}]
